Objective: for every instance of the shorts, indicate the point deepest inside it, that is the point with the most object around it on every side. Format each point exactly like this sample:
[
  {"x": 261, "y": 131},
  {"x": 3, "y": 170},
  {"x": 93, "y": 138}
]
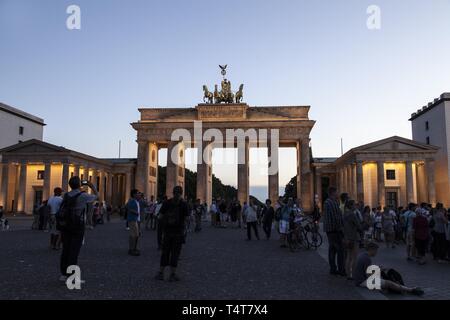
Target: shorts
[
  {"x": 410, "y": 241},
  {"x": 284, "y": 227}
]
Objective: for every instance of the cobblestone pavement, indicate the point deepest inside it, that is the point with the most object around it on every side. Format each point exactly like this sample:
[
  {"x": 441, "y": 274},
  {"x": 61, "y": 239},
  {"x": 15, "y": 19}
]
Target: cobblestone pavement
[
  {"x": 215, "y": 264},
  {"x": 433, "y": 278}
]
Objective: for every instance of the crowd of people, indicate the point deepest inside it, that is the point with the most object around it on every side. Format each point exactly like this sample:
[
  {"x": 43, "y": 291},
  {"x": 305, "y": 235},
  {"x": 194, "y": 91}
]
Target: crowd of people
[
  {"x": 351, "y": 226},
  {"x": 354, "y": 231}
]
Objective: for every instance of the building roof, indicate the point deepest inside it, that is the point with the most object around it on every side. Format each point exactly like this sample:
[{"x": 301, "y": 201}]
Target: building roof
[
  {"x": 324, "y": 160},
  {"x": 431, "y": 105},
  {"x": 38, "y": 148},
  {"x": 391, "y": 145},
  {"x": 21, "y": 114}
]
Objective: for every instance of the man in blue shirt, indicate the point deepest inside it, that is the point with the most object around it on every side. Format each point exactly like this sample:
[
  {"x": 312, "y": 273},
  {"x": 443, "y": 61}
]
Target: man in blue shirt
[{"x": 133, "y": 218}]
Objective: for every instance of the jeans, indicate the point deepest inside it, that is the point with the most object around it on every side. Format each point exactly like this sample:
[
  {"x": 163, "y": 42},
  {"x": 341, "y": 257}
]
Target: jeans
[
  {"x": 439, "y": 246},
  {"x": 251, "y": 225},
  {"x": 267, "y": 227},
  {"x": 71, "y": 249},
  {"x": 159, "y": 233},
  {"x": 171, "y": 248},
  {"x": 336, "y": 249}
]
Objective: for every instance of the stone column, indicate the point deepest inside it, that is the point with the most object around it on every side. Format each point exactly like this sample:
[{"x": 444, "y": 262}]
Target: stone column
[
  {"x": 86, "y": 176},
  {"x": 127, "y": 186},
  {"x": 152, "y": 177},
  {"x": 380, "y": 182},
  {"x": 273, "y": 178},
  {"x": 4, "y": 187},
  {"x": 76, "y": 170},
  {"x": 142, "y": 167},
  {"x": 319, "y": 188},
  {"x": 306, "y": 189},
  {"x": 204, "y": 174},
  {"x": 359, "y": 181},
  {"x": 47, "y": 192},
  {"x": 94, "y": 179},
  {"x": 344, "y": 180},
  {"x": 299, "y": 168},
  {"x": 109, "y": 188},
  {"x": 429, "y": 163},
  {"x": 175, "y": 167},
  {"x": 101, "y": 186},
  {"x": 243, "y": 173},
  {"x": 409, "y": 182},
  {"x": 21, "y": 199},
  {"x": 65, "y": 177},
  {"x": 349, "y": 180}
]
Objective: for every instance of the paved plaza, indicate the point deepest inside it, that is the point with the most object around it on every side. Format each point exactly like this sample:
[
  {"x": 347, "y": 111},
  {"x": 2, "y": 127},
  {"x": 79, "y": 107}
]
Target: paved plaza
[{"x": 215, "y": 264}]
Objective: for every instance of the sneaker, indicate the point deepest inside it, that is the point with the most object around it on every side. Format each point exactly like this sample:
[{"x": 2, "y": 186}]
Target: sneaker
[
  {"x": 159, "y": 276},
  {"x": 173, "y": 277},
  {"x": 417, "y": 291}
]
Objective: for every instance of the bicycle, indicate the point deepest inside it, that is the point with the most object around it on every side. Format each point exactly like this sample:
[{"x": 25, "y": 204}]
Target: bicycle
[
  {"x": 296, "y": 237},
  {"x": 312, "y": 234}
]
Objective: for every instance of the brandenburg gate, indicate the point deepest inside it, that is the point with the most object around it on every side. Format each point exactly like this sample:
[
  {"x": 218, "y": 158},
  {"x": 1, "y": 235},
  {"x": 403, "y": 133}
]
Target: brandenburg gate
[{"x": 155, "y": 128}]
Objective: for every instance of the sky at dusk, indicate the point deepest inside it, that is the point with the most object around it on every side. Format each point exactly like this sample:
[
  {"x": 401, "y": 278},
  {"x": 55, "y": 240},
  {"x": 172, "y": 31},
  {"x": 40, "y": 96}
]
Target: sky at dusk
[{"x": 362, "y": 85}]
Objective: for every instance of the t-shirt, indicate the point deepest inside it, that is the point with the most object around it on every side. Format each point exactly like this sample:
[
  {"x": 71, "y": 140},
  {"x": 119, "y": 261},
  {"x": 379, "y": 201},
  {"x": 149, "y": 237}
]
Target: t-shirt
[
  {"x": 250, "y": 214},
  {"x": 183, "y": 211},
  {"x": 409, "y": 219},
  {"x": 55, "y": 203},
  {"x": 362, "y": 263}
]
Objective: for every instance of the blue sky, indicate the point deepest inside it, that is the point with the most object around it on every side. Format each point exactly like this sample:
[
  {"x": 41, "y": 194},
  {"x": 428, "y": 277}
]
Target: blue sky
[{"x": 87, "y": 84}]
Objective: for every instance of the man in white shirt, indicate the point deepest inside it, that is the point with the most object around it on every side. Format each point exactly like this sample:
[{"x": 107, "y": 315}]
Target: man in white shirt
[{"x": 54, "y": 203}]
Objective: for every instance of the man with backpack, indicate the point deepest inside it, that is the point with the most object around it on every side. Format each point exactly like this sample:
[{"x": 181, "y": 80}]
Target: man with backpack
[
  {"x": 173, "y": 216},
  {"x": 71, "y": 222}
]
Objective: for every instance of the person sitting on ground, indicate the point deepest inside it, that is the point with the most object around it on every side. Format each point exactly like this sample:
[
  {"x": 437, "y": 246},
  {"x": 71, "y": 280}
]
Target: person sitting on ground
[{"x": 364, "y": 261}]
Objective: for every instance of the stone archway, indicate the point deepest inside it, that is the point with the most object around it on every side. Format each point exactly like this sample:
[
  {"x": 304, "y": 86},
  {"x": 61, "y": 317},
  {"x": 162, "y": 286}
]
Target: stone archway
[{"x": 290, "y": 126}]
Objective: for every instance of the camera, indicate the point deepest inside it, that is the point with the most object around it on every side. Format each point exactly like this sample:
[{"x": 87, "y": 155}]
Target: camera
[{"x": 84, "y": 182}]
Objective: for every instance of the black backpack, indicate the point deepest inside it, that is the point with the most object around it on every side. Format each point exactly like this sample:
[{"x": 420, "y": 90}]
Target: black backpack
[{"x": 67, "y": 218}]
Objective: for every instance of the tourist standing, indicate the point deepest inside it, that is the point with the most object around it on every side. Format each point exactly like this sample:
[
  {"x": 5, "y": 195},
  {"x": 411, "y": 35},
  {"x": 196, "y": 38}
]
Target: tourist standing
[
  {"x": 133, "y": 218},
  {"x": 54, "y": 204},
  {"x": 378, "y": 224},
  {"x": 408, "y": 218},
  {"x": 352, "y": 229},
  {"x": 421, "y": 235},
  {"x": 75, "y": 203},
  {"x": 213, "y": 213},
  {"x": 198, "y": 212},
  {"x": 251, "y": 217},
  {"x": 268, "y": 216},
  {"x": 174, "y": 213},
  {"x": 388, "y": 224},
  {"x": 333, "y": 225},
  {"x": 439, "y": 225}
]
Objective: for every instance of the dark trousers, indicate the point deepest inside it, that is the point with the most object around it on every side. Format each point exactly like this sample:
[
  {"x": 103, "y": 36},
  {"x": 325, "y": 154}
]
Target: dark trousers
[
  {"x": 159, "y": 233},
  {"x": 336, "y": 249},
  {"x": 267, "y": 227},
  {"x": 71, "y": 249},
  {"x": 439, "y": 245},
  {"x": 251, "y": 225},
  {"x": 171, "y": 249}
]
